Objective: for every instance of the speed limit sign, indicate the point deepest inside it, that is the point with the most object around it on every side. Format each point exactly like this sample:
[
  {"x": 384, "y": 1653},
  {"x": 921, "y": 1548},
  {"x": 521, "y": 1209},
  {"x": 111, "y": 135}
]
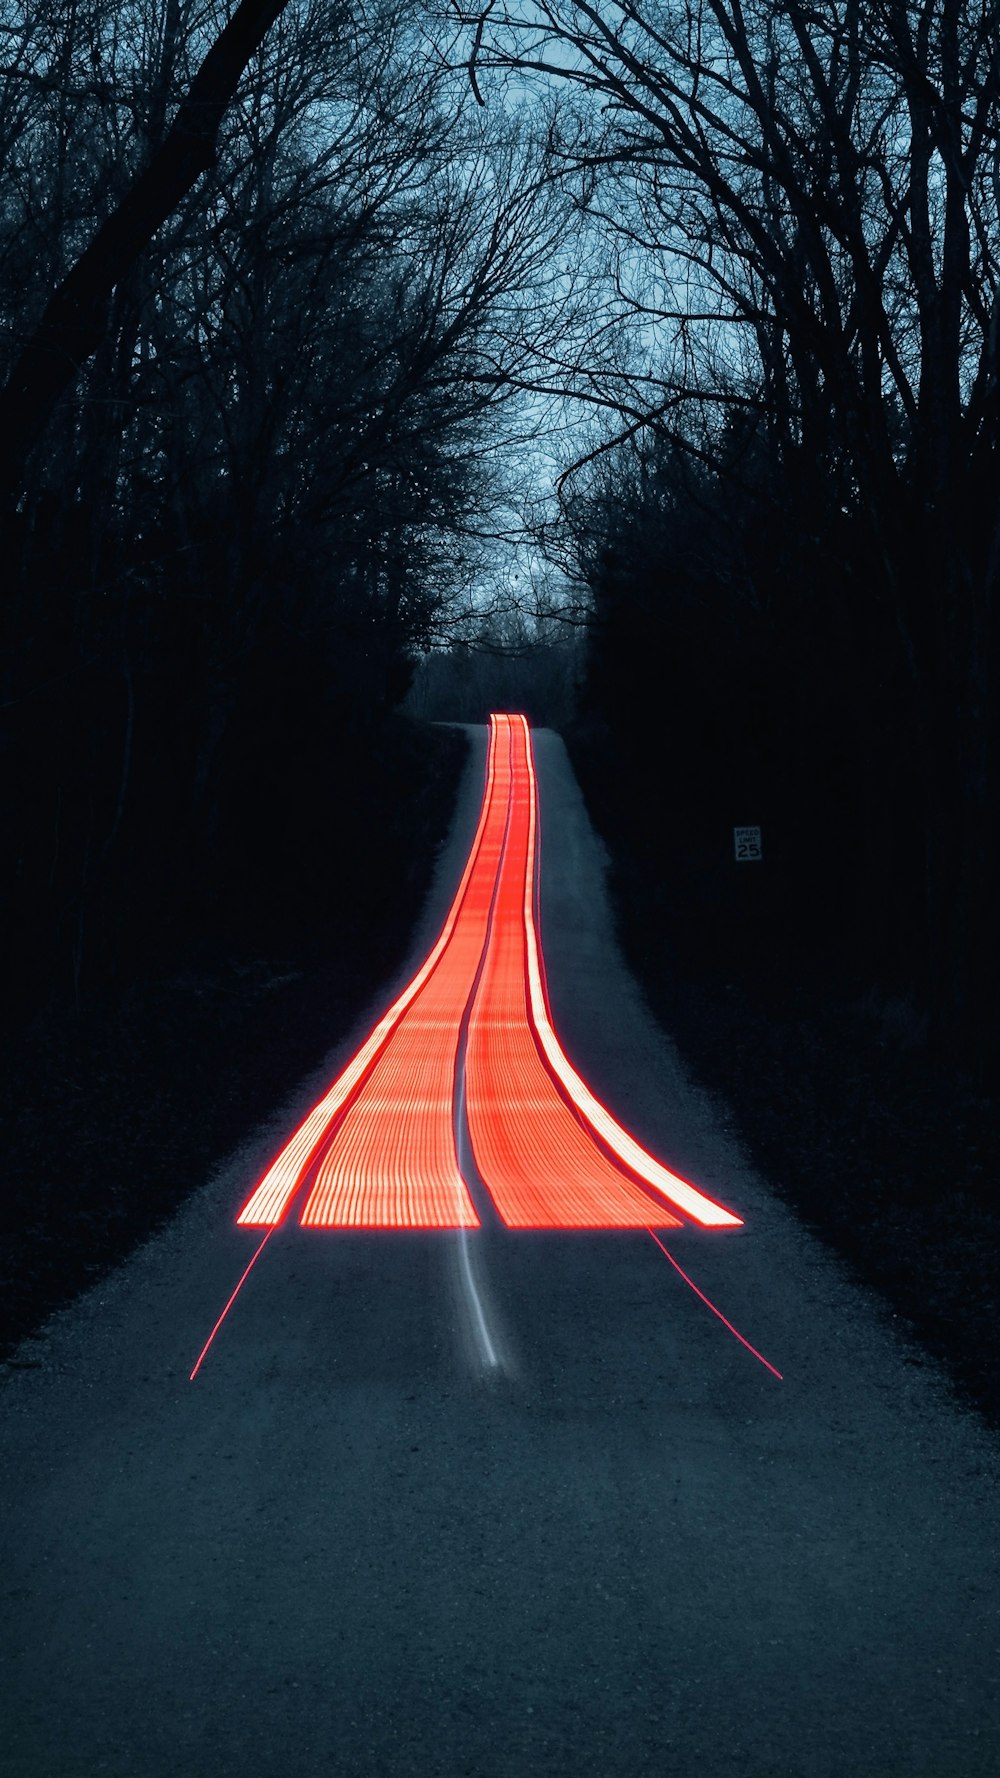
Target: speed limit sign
[{"x": 746, "y": 844}]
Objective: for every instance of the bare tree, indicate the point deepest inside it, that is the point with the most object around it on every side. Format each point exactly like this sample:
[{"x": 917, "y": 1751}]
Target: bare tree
[
  {"x": 800, "y": 205},
  {"x": 74, "y": 319},
  {"x": 281, "y": 462}
]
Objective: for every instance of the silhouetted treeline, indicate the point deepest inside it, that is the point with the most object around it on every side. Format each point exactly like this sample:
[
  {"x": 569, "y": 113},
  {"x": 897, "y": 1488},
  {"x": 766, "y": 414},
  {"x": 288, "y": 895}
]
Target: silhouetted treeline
[
  {"x": 798, "y": 206},
  {"x": 242, "y": 455},
  {"x": 506, "y": 662},
  {"x": 744, "y": 668},
  {"x": 774, "y": 272}
]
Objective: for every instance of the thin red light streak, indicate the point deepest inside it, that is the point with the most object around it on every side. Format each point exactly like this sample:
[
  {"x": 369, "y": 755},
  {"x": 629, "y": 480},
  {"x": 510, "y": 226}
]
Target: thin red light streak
[
  {"x": 710, "y": 1305},
  {"x": 244, "y": 1276}
]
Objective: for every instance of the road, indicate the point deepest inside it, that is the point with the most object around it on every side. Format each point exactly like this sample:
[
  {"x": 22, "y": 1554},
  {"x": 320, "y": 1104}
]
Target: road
[{"x": 359, "y": 1542}]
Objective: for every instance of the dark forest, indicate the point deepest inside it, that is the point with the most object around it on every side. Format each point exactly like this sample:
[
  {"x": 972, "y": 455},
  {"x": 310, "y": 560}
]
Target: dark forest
[{"x": 636, "y": 367}]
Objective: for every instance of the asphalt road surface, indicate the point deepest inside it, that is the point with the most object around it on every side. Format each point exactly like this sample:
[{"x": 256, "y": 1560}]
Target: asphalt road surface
[{"x": 604, "y": 1541}]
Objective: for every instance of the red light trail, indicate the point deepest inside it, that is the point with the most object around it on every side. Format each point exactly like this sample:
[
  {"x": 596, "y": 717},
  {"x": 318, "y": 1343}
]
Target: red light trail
[
  {"x": 538, "y": 1158},
  {"x": 379, "y": 1148},
  {"x": 393, "y": 1161},
  {"x": 271, "y": 1200},
  {"x": 258, "y": 1250},
  {"x": 471, "y": 1038},
  {"x": 710, "y": 1305}
]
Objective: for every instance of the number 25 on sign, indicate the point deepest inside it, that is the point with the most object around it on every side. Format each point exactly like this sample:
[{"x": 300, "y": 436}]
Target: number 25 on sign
[{"x": 746, "y": 844}]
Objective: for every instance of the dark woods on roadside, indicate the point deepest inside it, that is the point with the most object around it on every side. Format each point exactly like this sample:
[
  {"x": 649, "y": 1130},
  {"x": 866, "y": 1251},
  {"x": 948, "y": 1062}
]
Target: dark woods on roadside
[
  {"x": 296, "y": 318},
  {"x": 243, "y": 516},
  {"x": 249, "y": 438}
]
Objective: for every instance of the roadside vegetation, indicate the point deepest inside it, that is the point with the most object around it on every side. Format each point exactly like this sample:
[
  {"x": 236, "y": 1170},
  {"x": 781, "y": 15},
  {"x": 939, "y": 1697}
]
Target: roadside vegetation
[
  {"x": 828, "y": 1080},
  {"x": 115, "y": 1112}
]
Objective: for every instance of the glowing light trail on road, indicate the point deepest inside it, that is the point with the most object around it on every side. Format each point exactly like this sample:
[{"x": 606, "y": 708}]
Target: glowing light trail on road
[
  {"x": 380, "y": 1146},
  {"x": 679, "y": 1192},
  {"x": 541, "y": 1164},
  {"x": 467, "y": 1053},
  {"x": 393, "y": 1161},
  {"x": 270, "y": 1201}
]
